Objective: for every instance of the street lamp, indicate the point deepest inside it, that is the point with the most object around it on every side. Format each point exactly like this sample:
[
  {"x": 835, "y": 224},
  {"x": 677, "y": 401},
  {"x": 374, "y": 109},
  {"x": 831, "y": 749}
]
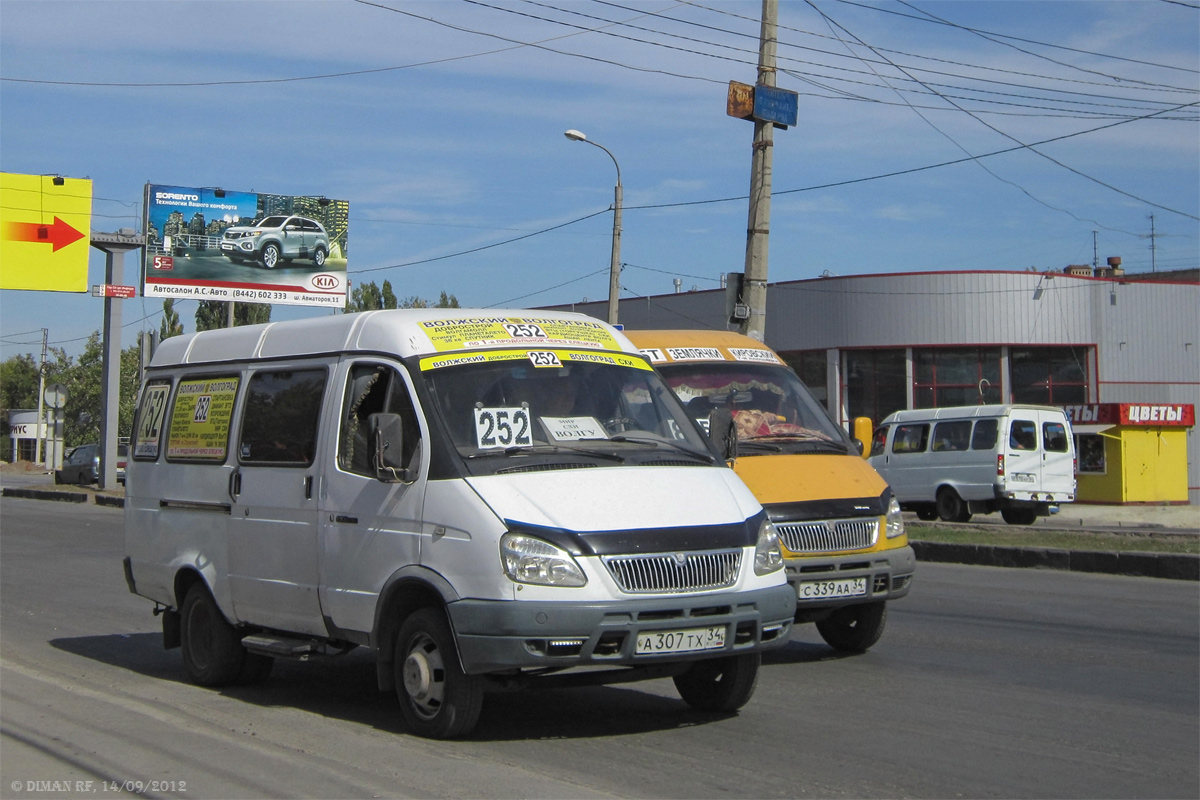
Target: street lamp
[{"x": 614, "y": 273}]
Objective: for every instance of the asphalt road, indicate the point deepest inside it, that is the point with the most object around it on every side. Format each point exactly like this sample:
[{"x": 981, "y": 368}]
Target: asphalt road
[{"x": 988, "y": 683}]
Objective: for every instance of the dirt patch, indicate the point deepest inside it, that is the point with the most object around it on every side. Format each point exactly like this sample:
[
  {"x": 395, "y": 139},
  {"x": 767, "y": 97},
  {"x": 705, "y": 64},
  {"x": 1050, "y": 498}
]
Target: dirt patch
[{"x": 21, "y": 466}]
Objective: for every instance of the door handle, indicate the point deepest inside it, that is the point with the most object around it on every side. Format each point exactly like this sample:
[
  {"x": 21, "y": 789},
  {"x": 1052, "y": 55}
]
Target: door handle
[
  {"x": 235, "y": 484},
  {"x": 342, "y": 518},
  {"x": 308, "y": 483}
]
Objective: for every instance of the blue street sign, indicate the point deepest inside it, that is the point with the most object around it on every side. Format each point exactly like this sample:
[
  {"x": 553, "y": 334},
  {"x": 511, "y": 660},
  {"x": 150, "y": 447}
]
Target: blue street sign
[{"x": 775, "y": 105}]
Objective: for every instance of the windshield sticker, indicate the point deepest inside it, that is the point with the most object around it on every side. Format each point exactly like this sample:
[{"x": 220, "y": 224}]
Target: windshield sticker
[
  {"x": 754, "y": 354},
  {"x": 475, "y": 332},
  {"x": 200, "y": 419},
  {"x": 695, "y": 354},
  {"x": 502, "y": 427},
  {"x": 154, "y": 407},
  {"x": 572, "y": 429},
  {"x": 539, "y": 358}
]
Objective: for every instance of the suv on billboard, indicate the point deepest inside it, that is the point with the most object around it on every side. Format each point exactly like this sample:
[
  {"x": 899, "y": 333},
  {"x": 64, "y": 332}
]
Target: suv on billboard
[{"x": 276, "y": 238}]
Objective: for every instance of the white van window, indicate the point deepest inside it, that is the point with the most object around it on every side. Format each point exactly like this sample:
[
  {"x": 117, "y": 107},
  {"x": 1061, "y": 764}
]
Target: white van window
[
  {"x": 151, "y": 415},
  {"x": 985, "y": 435},
  {"x": 1022, "y": 435},
  {"x": 910, "y": 439},
  {"x": 879, "y": 441},
  {"x": 1054, "y": 434},
  {"x": 279, "y": 425},
  {"x": 951, "y": 436},
  {"x": 373, "y": 389}
]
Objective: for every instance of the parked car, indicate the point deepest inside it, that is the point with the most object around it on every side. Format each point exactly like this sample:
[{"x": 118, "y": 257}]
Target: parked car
[
  {"x": 82, "y": 465},
  {"x": 275, "y": 239}
]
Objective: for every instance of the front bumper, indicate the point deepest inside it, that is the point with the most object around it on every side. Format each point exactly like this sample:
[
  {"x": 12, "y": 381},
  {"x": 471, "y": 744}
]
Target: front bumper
[
  {"x": 499, "y": 636},
  {"x": 888, "y": 575}
]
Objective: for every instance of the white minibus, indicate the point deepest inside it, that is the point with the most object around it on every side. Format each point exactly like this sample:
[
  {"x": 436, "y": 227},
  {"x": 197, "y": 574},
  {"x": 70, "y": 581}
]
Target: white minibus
[
  {"x": 950, "y": 463},
  {"x": 482, "y": 499}
]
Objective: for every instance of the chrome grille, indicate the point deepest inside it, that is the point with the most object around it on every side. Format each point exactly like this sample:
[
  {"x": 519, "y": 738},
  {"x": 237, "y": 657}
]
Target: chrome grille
[
  {"x": 829, "y": 536},
  {"x": 674, "y": 572}
]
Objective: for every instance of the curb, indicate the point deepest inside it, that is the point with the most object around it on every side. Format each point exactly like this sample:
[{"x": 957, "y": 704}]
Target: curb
[
  {"x": 47, "y": 494},
  {"x": 1175, "y": 566}
]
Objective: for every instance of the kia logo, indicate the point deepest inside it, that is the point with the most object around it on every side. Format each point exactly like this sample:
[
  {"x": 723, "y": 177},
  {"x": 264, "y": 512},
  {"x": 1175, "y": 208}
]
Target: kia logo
[{"x": 325, "y": 281}]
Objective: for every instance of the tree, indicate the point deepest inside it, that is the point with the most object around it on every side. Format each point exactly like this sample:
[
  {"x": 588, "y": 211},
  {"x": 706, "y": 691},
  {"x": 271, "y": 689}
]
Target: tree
[
  {"x": 388, "y": 296},
  {"x": 18, "y": 389},
  {"x": 213, "y": 314},
  {"x": 368, "y": 297},
  {"x": 447, "y": 301},
  {"x": 170, "y": 325}
]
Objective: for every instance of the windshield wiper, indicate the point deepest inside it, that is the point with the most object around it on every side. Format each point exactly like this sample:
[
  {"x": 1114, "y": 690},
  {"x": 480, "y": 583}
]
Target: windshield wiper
[
  {"x": 622, "y": 437},
  {"x": 544, "y": 449}
]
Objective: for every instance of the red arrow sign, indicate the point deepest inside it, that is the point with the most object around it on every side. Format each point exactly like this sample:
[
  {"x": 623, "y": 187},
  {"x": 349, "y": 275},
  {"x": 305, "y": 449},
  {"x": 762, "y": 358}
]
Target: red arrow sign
[{"x": 60, "y": 234}]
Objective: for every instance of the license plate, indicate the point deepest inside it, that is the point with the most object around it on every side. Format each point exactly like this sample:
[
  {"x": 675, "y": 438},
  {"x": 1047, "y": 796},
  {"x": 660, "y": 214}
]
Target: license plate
[
  {"x": 1022, "y": 477},
  {"x": 225, "y": 246},
  {"x": 684, "y": 641},
  {"x": 817, "y": 590}
]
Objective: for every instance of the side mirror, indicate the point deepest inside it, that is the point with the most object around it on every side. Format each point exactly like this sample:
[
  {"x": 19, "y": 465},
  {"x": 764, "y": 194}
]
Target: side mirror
[
  {"x": 385, "y": 445},
  {"x": 723, "y": 432},
  {"x": 864, "y": 433}
]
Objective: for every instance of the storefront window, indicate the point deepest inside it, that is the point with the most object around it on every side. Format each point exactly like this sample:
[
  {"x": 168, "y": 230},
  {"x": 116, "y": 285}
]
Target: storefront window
[
  {"x": 1049, "y": 375},
  {"x": 956, "y": 376},
  {"x": 1090, "y": 447},
  {"x": 875, "y": 383}
]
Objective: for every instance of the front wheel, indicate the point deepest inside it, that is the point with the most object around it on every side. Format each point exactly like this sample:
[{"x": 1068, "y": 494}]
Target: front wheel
[
  {"x": 950, "y": 506},
  {"x": 270, "y": 255},
  {"x": 319, "y": 257},
  {"x": 854, "y": 628},
  {"x": 927, "y": 513},
  {"x": 720, "y": 684},
  {"x": 1019, "y": 516},
  {"x": 212, "y": 650},
  {"x": 438, "y": 700}
]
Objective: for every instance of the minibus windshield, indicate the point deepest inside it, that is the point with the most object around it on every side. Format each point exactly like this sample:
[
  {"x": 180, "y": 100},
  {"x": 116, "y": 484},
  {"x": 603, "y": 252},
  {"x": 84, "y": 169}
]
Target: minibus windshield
[
  {"x": 609, "y": 413},
  {"x": 771, "y": 408}
]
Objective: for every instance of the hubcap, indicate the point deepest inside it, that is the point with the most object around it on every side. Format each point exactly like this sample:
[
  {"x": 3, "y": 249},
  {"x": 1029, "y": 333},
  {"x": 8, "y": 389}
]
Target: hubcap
[{"x": 423, "y": 676}]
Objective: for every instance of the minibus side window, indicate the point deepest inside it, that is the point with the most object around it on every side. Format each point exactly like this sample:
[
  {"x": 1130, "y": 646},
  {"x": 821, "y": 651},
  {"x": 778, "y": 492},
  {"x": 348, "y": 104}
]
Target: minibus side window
[
  {"x": 280, "y": 421},
  {"x": 984, "y": 437},
  {"x": 910, "y": 439},
  {"x": 201, "y": 417},
  {"x": 1054, "y": 434},
  {"x": 373, "y": 389},
  {"x": 951, "y": 436},
  {"x": 1023, "y": 435},
  {"x": 879, "y": 440}
]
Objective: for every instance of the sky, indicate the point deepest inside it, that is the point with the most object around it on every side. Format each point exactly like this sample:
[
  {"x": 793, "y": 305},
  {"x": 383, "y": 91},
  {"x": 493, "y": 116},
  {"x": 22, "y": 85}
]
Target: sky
[{"x": 931, "y": 136}]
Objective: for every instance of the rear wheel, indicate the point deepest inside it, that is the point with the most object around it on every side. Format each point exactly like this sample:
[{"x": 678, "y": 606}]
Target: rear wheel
[
  {"x": 319, "y": 257},
  {"x": 720, "y": 684},
  {"x": 438, "y": 700},
  {"x": 212, "y": 650},
  {"x": 950, "y": 506},
  {"x": 854, "y": 628},
  {"x": 1019, "y": 516}
]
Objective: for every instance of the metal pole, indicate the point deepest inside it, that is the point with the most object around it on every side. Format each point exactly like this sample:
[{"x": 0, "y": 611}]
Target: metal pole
[
  {"x": 37, "y": 456},
  {"x": 759, "y": 224},
  {"x": 110, "y": 402}
]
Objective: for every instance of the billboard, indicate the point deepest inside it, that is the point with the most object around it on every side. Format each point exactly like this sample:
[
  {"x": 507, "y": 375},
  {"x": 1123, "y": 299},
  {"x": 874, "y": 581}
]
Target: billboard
[
  {"x": 212, "y": 244},
  {"x": 45, "y": 232}
]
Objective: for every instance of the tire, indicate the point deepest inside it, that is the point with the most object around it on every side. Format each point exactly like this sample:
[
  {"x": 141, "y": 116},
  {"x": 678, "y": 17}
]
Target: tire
[
  {"x": 1019, "y": 516},
  {"x": 270, "y": 255},
  {"x": 854, "y": 629},
  {"x": 57, "y": 479},
  {"x": 720, "y": 684},
  {"x": 212, "y": 650},
  {"x": 319, "y": 257},
  {"x": 928, "y": 513},
  {"x": 950, "y": 507},
  {"x": 438, "y": 700},
  {"x": 83, "y": 480}
]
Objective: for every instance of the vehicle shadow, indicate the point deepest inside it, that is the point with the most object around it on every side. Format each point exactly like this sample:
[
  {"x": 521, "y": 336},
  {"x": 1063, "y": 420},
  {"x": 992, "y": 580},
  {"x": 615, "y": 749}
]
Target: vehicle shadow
[
  {"x": 797, "y": 652},
  {"x": 345, "y": 688}
]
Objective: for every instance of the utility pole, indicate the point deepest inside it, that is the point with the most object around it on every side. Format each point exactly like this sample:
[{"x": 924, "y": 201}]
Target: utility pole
[
  {"x": 1153, "y": 247},
  {"x": 759, "y": 224}
]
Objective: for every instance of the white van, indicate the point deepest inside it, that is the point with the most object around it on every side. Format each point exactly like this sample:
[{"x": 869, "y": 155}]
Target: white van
[
  {"x": 955, "y": 462},
  {"x": 479, "y": 498}
]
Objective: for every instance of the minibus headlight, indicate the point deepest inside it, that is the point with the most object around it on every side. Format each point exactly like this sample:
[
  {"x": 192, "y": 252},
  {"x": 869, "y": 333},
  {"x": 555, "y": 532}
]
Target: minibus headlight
[
  {"x": 767, "y": 555},
  {"x": 528, "y": 559},
  {"x": 894, "y": 522}
]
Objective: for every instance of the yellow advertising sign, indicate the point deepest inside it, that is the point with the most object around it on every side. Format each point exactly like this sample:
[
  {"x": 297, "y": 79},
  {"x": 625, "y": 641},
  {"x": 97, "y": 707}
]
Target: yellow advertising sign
[
  {"x": 475, "y": 332},
  {"x": 45, "y": 232},
  {"x": 538, "y": 358},
  {"x": 200, "y": 419}
]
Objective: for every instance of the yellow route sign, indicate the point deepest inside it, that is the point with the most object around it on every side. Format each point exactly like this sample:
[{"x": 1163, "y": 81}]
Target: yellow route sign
[{"x": 45, "y": 232}]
